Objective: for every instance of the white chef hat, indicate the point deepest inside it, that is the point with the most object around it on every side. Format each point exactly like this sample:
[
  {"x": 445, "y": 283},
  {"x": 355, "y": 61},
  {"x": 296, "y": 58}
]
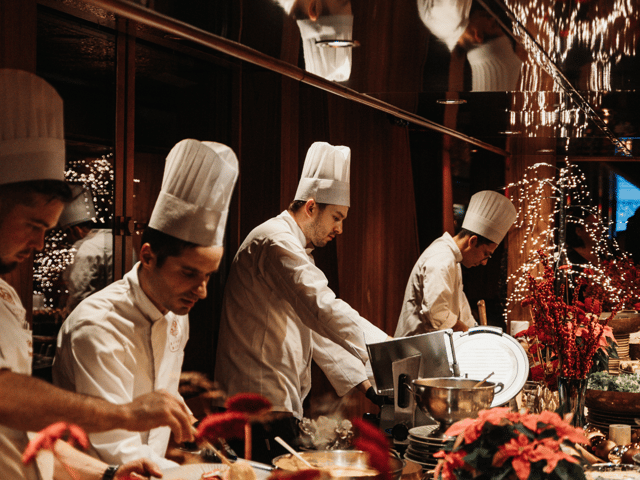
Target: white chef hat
[
  {"x": 332, "y": 63},
  {"x": 489, "y": 214},
  {"x": 31, "y": 129},
  {"x": 198, "y": 182},
  {"x": 287, "y": 5},
  {"x": 325, "y": 175},
  {"x": 79, "y": 210}
]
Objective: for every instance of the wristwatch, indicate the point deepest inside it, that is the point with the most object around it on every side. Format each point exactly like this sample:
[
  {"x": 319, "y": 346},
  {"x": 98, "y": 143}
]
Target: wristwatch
[{"x": 110, "y": 472}]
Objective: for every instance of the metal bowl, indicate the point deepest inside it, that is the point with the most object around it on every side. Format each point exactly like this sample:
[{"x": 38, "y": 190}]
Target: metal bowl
[
  {"x": 609, "y": 401},
  {"x": 335, "y": 459},
  {"x": 449, "y": 400},
  {"x": 625, "y": 321}
]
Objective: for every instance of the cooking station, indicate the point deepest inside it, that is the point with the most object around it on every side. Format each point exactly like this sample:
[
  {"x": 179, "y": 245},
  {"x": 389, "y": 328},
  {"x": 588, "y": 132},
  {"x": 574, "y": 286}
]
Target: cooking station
[{"x": 436, "y": 372}]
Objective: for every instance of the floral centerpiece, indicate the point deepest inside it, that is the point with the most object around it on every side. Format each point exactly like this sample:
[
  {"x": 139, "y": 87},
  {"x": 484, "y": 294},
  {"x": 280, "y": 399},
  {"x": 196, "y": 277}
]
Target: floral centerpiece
[
  {"x": 502, "y": 444},
  {"x": 566, "y": 337}
]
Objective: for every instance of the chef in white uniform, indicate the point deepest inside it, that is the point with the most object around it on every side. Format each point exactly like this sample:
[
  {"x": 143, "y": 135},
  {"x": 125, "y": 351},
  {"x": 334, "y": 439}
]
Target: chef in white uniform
[
  {"x": 129, "y": 338},
  {"x": 279, "y": 313},
  {"x": 92, "y": 266},
  {"x": 320, "y": 21},
  {"x": 32, "y": 196},
  {"x": 434, "y": 298},
  {"x": 495, "y": 65}
]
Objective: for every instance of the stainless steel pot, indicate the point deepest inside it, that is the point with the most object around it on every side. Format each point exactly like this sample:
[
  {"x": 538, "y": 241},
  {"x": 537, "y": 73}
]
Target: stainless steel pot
[
  {"x": 449, "y": 400},
  {"x": 334, "y": 459}
]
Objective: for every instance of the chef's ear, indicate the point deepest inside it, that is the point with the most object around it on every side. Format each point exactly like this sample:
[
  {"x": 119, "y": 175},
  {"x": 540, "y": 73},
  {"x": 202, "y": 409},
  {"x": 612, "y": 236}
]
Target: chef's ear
[
  {"x": 314, "y": 9},
  {"x": 147, "y": 257},
  {"x": 473, "y": 241},
  {"x": 310, "y": 206}
]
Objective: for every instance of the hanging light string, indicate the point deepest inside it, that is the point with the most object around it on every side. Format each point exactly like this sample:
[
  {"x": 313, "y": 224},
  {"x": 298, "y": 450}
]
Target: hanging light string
[
  {"x": 539, "y": 199},
  {"x": 97, "y": 176}
]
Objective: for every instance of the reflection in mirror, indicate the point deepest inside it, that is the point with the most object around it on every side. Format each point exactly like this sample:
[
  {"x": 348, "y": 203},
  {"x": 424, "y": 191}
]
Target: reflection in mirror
[
  {"x": 326, "y": 28},
  {"x": 77, "y": 258},
  {"x": 472, "y": 33}
]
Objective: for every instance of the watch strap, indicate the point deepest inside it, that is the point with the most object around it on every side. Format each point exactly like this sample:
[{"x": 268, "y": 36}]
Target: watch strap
[{"x": 110, "y": 472}]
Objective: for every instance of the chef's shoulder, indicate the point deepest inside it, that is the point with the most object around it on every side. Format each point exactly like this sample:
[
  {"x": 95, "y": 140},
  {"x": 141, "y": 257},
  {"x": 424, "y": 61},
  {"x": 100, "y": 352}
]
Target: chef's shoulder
[
  {"x": 111, "y": 309},
  {"x": 269, "y": 236},
  {"x": 439, "y": 254}
]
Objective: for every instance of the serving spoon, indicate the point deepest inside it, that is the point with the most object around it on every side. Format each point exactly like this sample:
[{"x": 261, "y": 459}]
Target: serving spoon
[
  {"x": 294, "y": 453},
  {"x": 483, "y": 380}
]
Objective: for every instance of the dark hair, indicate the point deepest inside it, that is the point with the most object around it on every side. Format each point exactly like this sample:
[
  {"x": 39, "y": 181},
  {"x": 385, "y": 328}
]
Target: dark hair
[
  {"x": 24, "y": 193},
  {"x": 481, "y": 240},
  {"x": 164, "y": 245},
  {"x": 298, "y": 204}
]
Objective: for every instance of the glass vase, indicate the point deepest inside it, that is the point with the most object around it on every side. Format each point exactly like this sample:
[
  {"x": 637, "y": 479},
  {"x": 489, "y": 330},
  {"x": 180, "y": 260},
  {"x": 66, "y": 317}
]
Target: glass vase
[{"x": 571, "y": 398}]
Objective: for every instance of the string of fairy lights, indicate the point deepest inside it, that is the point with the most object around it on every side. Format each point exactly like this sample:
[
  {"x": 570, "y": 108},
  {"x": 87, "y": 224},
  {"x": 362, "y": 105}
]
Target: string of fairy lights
[
  {"x": 608, "y": 30},
  {"x": 96, "y": 176},
  {"x": 544, "y": 197}
]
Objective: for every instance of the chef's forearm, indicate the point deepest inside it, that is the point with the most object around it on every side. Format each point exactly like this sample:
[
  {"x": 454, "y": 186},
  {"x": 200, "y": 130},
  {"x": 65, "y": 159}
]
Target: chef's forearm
[
  {"x": 364, "y": 386},
  {"x": 31, "y": 404},
  {"x": 88, "y": 468},
  {"x": 82, "y": 465}
]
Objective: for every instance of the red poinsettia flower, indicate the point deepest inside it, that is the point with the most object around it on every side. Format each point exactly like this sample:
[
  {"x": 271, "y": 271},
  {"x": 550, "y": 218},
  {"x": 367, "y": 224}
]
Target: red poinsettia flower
[
  {"x": 252, "y": 403},
  {"x": 47, "y": 437},
  {"x": 449, "y": 463},
  {"x": 378, "y": 458},
  {"x": 549, "y": 450},
  {"x": 225, "y": 425},
  {"x": 370, "y": 432},
  {"x": 372, "y": 440},
  {"x": 520, "y": 451},
  {"x": 471, "y": 428}
]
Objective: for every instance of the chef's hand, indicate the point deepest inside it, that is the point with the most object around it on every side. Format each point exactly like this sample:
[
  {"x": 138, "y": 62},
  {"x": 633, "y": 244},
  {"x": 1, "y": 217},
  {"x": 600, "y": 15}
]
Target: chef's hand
[
  {"x": 138, "y": 470},
  {"x": 376, "y": 399},
  {"x": 158, "y": 409}
]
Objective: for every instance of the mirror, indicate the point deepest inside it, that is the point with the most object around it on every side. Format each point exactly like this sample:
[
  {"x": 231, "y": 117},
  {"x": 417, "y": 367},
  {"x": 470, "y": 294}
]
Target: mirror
[{"x": 562, "y": 70}]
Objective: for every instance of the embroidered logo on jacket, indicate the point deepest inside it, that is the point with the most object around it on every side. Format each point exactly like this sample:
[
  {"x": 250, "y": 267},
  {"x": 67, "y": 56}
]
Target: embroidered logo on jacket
[{"x": 175, "y": 336}]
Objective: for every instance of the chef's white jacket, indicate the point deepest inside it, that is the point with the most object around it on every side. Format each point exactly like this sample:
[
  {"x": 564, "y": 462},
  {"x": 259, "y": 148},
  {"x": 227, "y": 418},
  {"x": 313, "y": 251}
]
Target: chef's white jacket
[
  {"x": 117, "y": 345},
  {"x": 16, "y": 355},
  {"x": 91, "y": 267},
  {"x": 434, "y": 299},
  {"x": 279, "y": 314}
]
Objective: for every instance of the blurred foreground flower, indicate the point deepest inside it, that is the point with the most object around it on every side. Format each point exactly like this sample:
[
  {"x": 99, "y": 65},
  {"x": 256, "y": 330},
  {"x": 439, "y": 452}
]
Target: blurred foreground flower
[
  {"x": 501, "y": 444},
  {"x": 47, "y": 437}
]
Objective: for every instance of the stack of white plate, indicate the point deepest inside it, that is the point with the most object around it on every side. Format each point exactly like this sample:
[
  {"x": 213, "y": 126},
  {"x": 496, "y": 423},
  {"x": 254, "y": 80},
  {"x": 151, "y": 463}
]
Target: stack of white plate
[{"x": 422, "y": 446}]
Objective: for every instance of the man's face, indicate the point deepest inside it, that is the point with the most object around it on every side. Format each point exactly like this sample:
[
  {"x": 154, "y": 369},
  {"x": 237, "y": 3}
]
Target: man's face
[
  {"x": 22, "y": 230},
  {"x": 478, "y": 254},
  {"x": 326, "y": 224},
  {"x": 181, "y": 281}
]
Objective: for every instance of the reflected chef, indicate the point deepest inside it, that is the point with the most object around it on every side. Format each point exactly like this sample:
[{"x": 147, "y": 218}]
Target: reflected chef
[
  {"x": 279, "y": 313},
  {"x": 321, "y": 21},
  {"x": 434, "y": 298}
]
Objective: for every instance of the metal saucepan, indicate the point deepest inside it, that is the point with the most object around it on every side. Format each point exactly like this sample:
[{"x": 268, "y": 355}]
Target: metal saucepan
[
  {"x": 342, "y": 464},
  {"x": 449, "y": 400}
]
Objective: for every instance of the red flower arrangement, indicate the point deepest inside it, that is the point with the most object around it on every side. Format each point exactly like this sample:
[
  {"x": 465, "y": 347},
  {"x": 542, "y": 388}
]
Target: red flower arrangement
[
  {"x": 567, "y": 338},
  {"x": 370, "y": 439},
  {"x": 501, "y": 443},
  {"x": 242, "y": 409},
  {"x": 46, "y": 438}
]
